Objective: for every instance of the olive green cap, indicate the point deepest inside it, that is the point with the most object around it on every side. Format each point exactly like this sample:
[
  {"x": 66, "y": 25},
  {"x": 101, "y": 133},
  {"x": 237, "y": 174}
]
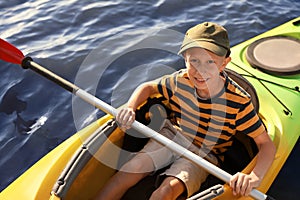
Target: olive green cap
[{"x": 209, "y": 36}]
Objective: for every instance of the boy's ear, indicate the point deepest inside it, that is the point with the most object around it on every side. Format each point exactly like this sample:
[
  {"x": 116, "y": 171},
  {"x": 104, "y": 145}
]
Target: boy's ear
[
  {"x": 183, "y": 55},
  {"x": 225, "y": 62}
]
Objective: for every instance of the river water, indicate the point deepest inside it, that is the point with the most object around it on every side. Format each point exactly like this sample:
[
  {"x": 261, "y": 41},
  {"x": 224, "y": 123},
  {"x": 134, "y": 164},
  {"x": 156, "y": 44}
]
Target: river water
[{"x": 107, "y": 48}]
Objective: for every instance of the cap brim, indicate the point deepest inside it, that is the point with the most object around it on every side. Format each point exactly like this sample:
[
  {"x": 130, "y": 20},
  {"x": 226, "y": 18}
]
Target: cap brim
[{"x": 220, "y": 51}]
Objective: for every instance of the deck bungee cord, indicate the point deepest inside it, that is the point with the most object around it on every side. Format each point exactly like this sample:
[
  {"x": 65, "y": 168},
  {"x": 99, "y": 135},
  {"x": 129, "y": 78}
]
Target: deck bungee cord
[{"x": 286, "y": 110}]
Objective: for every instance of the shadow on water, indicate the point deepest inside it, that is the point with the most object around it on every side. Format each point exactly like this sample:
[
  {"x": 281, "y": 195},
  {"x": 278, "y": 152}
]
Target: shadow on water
[{"x": 11, "y": 104}]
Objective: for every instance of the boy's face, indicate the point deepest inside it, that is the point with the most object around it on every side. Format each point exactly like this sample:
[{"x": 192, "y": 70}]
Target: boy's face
[{"x": 204, "y": 68}]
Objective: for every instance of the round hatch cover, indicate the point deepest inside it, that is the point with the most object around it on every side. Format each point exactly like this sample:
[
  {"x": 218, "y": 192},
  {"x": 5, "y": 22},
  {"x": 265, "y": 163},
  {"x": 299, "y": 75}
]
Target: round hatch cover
[{"x": 277, "y": 55}]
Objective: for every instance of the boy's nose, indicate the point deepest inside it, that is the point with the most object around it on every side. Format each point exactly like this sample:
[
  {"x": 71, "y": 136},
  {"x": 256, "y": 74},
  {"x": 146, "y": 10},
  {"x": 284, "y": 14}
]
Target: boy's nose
[{"x": 200, "y": 70}]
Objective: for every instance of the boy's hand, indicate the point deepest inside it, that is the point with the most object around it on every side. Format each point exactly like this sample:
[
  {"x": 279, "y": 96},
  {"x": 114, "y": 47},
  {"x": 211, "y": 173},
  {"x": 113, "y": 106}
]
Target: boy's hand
[
  {"x": 242, "y": 184},
  {"x": 125, "y": 118}
]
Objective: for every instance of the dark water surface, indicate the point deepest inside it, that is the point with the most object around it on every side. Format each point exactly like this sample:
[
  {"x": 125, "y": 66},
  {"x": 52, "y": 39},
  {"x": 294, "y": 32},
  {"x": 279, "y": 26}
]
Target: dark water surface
[{"x": 36, "y": 115}]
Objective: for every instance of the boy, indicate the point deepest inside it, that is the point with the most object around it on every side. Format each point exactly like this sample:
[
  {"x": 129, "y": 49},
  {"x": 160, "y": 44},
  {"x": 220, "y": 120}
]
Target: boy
[{"x": 208, "y": 107}]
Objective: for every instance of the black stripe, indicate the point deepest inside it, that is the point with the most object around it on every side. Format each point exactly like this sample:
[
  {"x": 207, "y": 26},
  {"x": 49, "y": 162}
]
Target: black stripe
[
  {"x": 246, "y": 118},
  {"x": 159, "y": 86},
  {"x": 175, "y": 104},
  {"x": 168, "y": 86},
  {"x": 169, "y": 91},
  {"x": 253, "y": 127},
  {"x": 185, "y": 87},
  {"x": 233, "y": 104},
  {"x": 242, "y": 108}
]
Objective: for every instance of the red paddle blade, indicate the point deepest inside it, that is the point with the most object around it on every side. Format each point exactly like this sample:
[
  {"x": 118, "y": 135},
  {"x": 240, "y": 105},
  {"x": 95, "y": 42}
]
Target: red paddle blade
[{"x": 10, "y": 53}]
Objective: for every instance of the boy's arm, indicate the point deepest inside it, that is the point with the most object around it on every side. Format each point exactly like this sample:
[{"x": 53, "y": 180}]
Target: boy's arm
[
  {"x": 141, "y": 94},
  {"x": 244, "y": 183},
  {"x": 126, "y": 116}
]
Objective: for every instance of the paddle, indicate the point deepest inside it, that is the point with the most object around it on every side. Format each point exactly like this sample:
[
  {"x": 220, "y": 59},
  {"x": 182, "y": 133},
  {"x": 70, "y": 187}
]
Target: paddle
[{"x": 11, "y": 54}]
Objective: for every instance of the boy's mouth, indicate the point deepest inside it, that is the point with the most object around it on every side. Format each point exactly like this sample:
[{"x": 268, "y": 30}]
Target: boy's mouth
[{"x": 201, "y": 80}]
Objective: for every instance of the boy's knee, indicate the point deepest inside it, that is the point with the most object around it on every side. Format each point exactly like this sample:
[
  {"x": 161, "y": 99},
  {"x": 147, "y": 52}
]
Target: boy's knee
[
  {"x": 171, "y": 188},
  {"x": 163, "y": 192}
]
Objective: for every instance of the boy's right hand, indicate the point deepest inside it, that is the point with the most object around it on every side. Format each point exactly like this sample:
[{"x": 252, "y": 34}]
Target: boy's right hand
[{"x": 125, "y": 118}]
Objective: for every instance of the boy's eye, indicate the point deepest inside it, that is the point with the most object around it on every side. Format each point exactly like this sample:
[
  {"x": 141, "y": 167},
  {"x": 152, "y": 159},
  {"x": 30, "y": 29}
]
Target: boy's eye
[
  {"x": 194, "y": 61},
  {"x": 211, "y": 62}
]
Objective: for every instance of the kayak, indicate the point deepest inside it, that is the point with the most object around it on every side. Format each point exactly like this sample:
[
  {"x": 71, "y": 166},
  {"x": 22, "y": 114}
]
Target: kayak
[{"x": 81, "y": 165}]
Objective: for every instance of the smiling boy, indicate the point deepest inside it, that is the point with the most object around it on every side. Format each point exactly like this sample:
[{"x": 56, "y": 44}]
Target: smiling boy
[{"x": 209, "y": 108}]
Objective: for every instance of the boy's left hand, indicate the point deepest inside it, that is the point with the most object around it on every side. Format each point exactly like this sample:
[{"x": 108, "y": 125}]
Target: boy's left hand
[{"x": 242, "y": 184}]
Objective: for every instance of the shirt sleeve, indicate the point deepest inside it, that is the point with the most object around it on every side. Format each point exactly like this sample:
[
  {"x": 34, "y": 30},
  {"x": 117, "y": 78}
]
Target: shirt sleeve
[
  {"x": 166, "y": 86},
  {"x": 248, "y": 121}
]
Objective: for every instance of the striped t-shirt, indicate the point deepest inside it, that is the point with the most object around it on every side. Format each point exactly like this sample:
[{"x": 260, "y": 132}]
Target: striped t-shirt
[{"x": 210, "y": 122}]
